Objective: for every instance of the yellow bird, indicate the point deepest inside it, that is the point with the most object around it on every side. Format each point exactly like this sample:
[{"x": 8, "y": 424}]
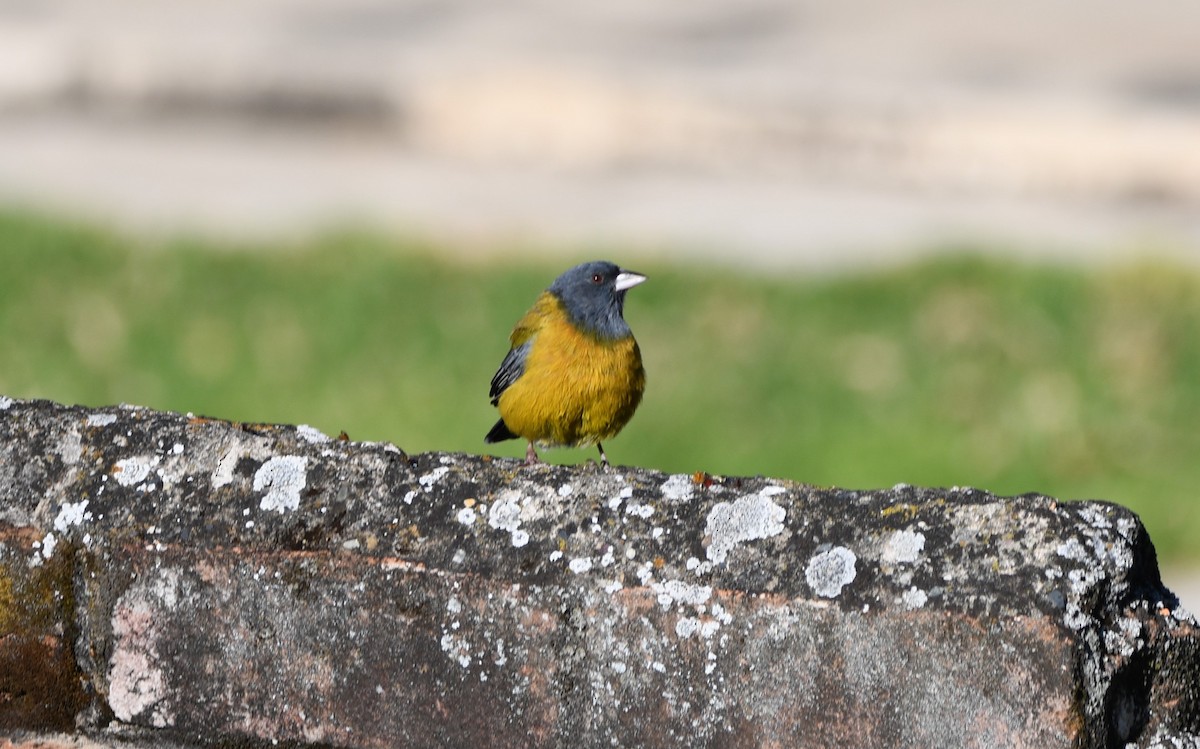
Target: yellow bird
[{"x": 574, "y": 373}]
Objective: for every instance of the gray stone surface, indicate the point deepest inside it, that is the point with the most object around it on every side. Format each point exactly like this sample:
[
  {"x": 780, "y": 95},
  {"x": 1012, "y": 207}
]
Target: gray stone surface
[{"x": 210, "y": 581}]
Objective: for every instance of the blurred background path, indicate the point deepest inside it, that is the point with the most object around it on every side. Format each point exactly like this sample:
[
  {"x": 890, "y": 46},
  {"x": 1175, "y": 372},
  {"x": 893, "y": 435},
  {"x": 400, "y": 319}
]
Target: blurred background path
[
  {"x": 794, "y": 134},
  {"x": 763, "y": 133}
]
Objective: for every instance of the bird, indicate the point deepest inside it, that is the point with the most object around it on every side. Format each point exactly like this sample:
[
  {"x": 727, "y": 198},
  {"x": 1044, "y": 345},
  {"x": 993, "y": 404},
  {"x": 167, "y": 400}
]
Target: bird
[{"x": 573, "y": 376}]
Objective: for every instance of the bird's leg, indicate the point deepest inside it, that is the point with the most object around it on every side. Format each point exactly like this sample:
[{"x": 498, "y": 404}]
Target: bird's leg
[
  {"x": 603, "y": 457},
  {"x": 531, "y": 456}
]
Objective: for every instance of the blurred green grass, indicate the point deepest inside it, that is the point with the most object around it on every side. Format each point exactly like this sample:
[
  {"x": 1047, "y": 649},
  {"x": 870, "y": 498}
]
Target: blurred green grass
[{"x": 1008, "y": 377}]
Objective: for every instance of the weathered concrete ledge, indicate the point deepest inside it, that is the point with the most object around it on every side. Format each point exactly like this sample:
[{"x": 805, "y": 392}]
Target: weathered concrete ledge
[{"x": 196, "y": 581}]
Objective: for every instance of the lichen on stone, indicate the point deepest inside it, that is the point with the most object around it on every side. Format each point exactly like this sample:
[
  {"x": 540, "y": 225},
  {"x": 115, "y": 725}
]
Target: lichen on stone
[
  {"x": 282, "y": 477},
  {"x": 133, "y": 471},
  {"x": 902, "y": 547},
  {"x": 830, "y": 571},
  {"x": 748, "y": 518}
]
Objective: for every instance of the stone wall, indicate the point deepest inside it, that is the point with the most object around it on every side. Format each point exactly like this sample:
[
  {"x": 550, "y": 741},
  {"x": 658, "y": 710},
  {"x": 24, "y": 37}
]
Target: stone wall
[{"x": 169, "y": 579}]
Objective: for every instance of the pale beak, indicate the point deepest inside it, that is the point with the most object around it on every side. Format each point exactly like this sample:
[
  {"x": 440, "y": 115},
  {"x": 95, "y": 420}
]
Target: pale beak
[{"x": 627, "y": 279}]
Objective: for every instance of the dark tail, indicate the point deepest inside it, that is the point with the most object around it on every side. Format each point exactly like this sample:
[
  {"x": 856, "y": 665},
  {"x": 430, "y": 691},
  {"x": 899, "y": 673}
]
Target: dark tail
[{"x": 499, "y": 433}]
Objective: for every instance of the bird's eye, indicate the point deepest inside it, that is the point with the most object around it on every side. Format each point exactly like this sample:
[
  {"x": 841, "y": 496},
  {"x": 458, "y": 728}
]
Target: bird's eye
[{"x": 597, "y": 278}]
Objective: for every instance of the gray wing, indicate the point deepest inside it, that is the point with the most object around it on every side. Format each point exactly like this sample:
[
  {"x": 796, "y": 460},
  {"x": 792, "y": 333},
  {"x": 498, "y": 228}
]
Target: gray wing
[{"x": 510, "y": 369}]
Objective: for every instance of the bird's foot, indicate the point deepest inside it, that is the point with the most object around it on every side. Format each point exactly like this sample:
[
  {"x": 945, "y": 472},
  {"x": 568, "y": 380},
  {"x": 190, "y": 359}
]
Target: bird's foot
[{"x": 531, "y": 456}]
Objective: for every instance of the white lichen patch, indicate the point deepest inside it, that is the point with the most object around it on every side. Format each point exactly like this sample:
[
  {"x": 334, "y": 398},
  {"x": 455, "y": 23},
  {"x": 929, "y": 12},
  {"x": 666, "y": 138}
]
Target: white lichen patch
[
  {"x": 565, "y": 490},
  {"x": 512, "y": 508},
  {"x": 240, "y": 446},
  {"x": 902, "y": 547},
  {"x": 1100, "y": 555},
  {"x": 645, "y": 572},
  {"x": 70, "y": 447},
  {"x": 679, "y": 592},
  {"x": 428, "y": 480},
  {"x": 1095, "y": 516},
  {"x": 1072, "y": 549},
  {"x": 457, "y": 648},
  {"x": 639, "y": 510},
  {"x": 1080, "y": 581},
  {"x": 677, "y": 488},
  {"x": 624, "y": 494},
  {"x": 6, "y": 402},
  {"x": 830, "y": 571},
  {"x": 282, "y": 478},
  {"x": 135, "y": 470},
  {"x": 687, "y": 626},
  {"x": 749, "y": 518},
  {"x": 312, "y": 434},
  {"x": 914, "y": 598},
  {"x": 1119, "y": 554},
  {"x": 136, "y": 684},
  {"x": 467, "y": 516},
  {"x": 71, "y": 513},
  {"x": 101, "y": 420},
  {"x": 1126, "y": 638},
  {"x": 579, "y": 565},
  {"x": 707, "y": 616},
  {"x": 1173, "y": 738},
  {"x": 47, "y": 545},
  {"x": 505, "y": 513}
]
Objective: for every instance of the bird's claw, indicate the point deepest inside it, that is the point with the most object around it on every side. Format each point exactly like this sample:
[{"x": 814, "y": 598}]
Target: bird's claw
[{"x": 531, "y": 456}]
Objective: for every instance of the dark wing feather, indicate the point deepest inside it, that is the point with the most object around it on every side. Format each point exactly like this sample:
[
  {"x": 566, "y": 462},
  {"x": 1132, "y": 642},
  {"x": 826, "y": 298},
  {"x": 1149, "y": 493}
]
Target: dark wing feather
[{"x": 510, "y": 369}]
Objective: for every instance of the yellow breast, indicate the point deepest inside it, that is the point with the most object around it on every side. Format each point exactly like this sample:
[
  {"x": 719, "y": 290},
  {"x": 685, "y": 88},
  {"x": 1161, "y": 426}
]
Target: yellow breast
[{"x": 576, "y": 389}]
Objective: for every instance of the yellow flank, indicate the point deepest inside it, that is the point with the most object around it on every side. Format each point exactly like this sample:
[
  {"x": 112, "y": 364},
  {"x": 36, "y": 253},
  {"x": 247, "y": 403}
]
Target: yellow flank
[{"x": 576, "y": 389}]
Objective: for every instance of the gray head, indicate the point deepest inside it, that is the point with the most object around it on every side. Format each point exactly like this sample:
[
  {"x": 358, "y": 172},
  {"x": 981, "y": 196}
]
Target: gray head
[{"x": 594, "y": 296}]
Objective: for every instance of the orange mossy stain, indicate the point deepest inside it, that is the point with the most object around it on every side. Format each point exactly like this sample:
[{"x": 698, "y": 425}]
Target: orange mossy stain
[
  {"x": 907, "y": 509},
  {"x": 40, "y": 684},
  {"x": 8, "y": 613}
]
